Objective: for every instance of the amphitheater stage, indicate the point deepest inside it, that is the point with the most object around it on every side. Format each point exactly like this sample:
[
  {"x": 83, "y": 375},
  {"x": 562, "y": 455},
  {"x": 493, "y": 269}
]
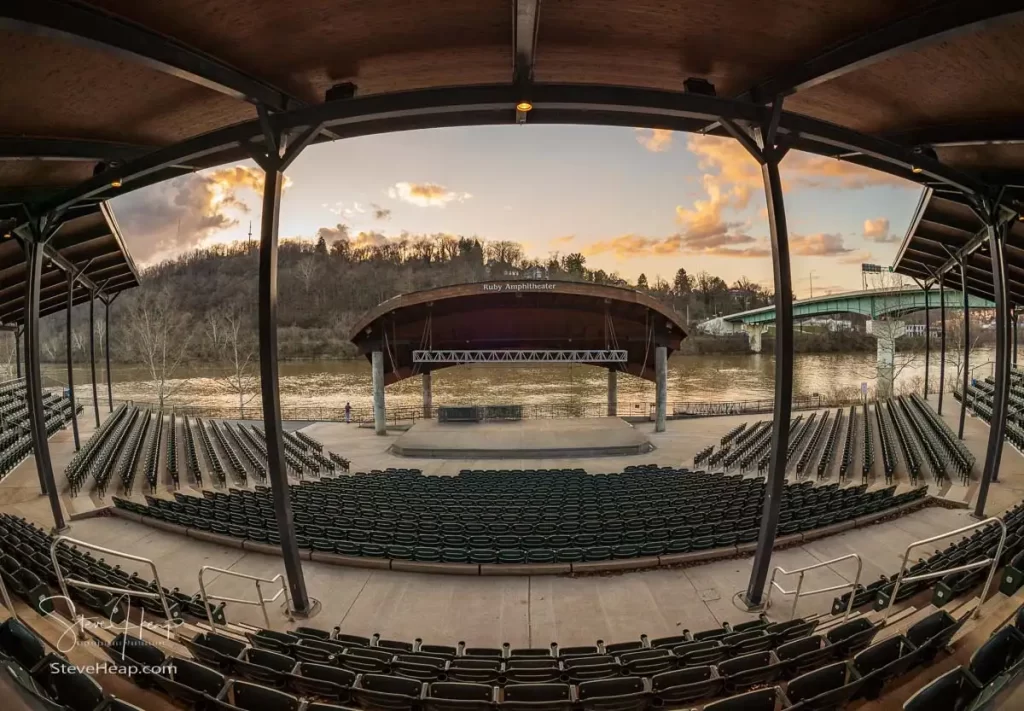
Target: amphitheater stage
[{"x": 526, "y": 439}]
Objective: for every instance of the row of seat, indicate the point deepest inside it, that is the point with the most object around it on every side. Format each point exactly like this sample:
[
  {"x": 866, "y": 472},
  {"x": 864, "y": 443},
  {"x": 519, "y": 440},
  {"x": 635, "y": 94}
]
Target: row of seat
[{"x": 846, "y": 462}]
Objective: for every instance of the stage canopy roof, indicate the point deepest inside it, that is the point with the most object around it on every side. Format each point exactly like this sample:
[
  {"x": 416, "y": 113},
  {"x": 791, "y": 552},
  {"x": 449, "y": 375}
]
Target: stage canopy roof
[
  {"x": 106, "y": 96},
  {"x": 518, "y": 315}
]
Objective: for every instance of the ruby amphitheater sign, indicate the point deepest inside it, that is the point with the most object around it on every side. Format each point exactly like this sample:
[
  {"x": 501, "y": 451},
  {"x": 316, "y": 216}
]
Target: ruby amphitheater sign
[{"x": 520, "y": 286}]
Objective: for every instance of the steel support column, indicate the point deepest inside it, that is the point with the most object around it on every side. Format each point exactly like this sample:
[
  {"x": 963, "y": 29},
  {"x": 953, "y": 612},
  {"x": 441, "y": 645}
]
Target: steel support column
[
  {"x": 92, "y": 355},
  {"x": 269, "y": 385},
  {"x": 1000, "y": 399},
  {"x": 71, "y": 370},
  {"x": 942, "y": 339},
  {"x": 613, "y": 392},
  {"x": 966, "y": 353},
  {"x": 661, "y": 379},
  {"x": 34, "y": 378},
  {"x": 106, "y": 351},
  {"x": 927, "y": 336},
  {"x": 769, "y": 156},
  {"x": 17, "y": 351},
  {"x": 380, "y": 425},
  {"x": 1015, "y": 324},
  {"x": 428, "y": 394}
]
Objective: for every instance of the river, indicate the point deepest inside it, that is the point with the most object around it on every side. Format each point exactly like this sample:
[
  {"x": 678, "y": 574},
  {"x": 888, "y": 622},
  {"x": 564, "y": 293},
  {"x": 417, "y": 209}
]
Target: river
[{"x": 691, "y": 378}]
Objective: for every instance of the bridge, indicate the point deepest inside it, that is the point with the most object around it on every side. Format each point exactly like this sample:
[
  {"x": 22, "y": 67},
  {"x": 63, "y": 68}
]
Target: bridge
[
  {"x": 883, "y": 308},
  {"x": 873, "y": 303}
]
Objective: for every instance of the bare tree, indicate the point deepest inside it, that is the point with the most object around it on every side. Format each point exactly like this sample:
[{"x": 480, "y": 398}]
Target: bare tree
[
  {"x": 158, "y": 334},
  {"x": 238, "y": 352},
  {"x": 309, "y": 269}
]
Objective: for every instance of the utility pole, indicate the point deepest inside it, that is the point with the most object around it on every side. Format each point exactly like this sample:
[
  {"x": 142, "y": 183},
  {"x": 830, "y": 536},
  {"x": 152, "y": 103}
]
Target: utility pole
[{"x": 810, "y": 279}]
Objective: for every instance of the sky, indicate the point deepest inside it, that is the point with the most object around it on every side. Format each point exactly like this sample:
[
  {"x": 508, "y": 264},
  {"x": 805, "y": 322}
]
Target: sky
[{"x": 631, "y": 200}]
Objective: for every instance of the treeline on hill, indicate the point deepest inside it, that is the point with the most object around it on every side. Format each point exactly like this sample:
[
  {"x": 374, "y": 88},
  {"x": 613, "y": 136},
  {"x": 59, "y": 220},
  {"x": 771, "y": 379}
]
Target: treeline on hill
[{"x": 202, "y": 305}]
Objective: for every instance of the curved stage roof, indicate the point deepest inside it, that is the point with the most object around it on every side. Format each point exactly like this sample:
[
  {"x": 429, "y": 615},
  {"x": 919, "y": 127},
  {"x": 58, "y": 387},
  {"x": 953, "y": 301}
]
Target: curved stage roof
[{"x": 518, "y": 315}]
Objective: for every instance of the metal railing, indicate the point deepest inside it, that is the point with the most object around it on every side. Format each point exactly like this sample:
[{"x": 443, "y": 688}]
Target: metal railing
[
  {"x": 8, "y": 603},
  {"x": 261, "y": 602},
  {"x": 800, "y": 592},
  {"x": 994, "y": 562},
  {"x": 127, "y": 592}
]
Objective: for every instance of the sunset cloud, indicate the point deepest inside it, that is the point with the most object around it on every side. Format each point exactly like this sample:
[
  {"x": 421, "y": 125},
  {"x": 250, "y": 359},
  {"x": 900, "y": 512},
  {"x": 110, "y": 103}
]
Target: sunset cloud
[
  {"x": 877, "y": 230},
  {"x": 817, "y": 245},
  {"x": 859, "y": 256},
  {"x": 425, "y": 194},
  {"x": 656, "y": 140},
  {"x": 563, "y": 240},
  {"x": 181, "y": 214},
  {"x": 629, "y": 246},
  {"x": 380, "y": 213}
]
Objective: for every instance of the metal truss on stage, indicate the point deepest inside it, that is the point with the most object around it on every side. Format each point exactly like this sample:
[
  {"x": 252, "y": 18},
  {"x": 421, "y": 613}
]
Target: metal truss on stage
[{"x": 519, "y": 356}]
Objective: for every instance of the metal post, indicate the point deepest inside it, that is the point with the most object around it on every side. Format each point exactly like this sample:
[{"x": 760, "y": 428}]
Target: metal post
[
  {"x": 277, "y": 472},
  {"x": 661, "y": 378},
  {"x": 17, "y": 350},
  {"x": 92, "y": 355},
  {"x": 71, "y": 370},
  {"x": 613, "y": 392},
  {"x": 942, "y": 339},
  {"x": 927, "y": 336},
  {"x": 997, "y": 427},
  {"x": 428, "y": 395},
  {"x": 34, "y": 379},
  {"x": 1015, "y": 314},
  {"x": 106, "y": 350},
  {"x": 967, "y": 350},
  {"x": 783, "y": 376},
  {"x": 380, "y": 425}
]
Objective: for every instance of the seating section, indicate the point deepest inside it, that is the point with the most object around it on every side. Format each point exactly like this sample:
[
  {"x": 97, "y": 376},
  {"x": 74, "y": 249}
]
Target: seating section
[
  {"x": 15, "y": 433},
  {"x": 27, "y": 570},
  {"x": 526, "y": 516},
  {"x": 131, "y": 438},
  {"x": 756, "y": 664},
  {"x": 979, "y": 546}
]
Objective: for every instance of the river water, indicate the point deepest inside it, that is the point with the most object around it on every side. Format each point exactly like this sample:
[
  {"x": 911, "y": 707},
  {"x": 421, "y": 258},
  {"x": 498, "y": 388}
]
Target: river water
[{"x": 691, "y": 378}]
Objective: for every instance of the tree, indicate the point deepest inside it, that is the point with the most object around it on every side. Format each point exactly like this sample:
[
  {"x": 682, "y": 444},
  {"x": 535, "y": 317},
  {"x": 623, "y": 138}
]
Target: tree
[
  {"x": 505, "y": 252},
  {"x": 575, "y": 264},
  {"x": 682, "y": 285},
  {"x": 158, "y": 332},
  {"x": 641, "y": 281},
  {"x": 239, "y": 352},
  {"x": 321, "y": 246}
]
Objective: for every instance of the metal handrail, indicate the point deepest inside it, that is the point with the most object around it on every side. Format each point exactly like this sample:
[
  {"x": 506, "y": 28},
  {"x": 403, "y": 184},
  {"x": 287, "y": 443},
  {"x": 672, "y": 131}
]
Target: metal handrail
[
  {"x": 799, "y": 592},
  {"x": 8, "y": 603},
  {"x": 64, "y": 582},
  {"x": 994, "y": 562},
  {"x": 261, "y": 602}
]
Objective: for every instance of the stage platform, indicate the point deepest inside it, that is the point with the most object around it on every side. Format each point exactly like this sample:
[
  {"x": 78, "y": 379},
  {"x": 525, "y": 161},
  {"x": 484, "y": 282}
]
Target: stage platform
[{"x": 526, "y": 439}]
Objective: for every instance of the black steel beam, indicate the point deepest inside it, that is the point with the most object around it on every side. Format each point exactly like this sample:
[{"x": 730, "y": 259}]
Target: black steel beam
[
  {"x": 69, "y": 149},
  {"x": 71, "y": 370},
  {"x": 927, "y": 334},
  {"x": 552, "y": 103},
  {"x": 92, "y": 355},
  {"x": 34, "y": 381},
  {"x": 937, "y": 23},
  {"x": 17, "y": 351},
  {"x": 783, "y": 373},
  {"x": 96, "y": 29},
  {"x": 270, "y": 387},
  {"x": 942, "y": 340},
  {"x": 106, "y": 352},
  {"x": 967, "y": 352},
  {"x": 1000, "y": 399},
  {"x": 967, "y": 134}
]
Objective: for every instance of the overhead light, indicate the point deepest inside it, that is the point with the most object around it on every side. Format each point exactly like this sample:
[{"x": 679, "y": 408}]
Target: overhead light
[
  {"x": 524, "y": 106},
  {"x": 915, "y": 169},
  {"x": 115, "y": 183}
]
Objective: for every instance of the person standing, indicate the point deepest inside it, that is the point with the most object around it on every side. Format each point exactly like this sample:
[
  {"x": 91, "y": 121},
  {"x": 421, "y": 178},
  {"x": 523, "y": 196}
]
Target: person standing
[{"x": 348, "y": 413}]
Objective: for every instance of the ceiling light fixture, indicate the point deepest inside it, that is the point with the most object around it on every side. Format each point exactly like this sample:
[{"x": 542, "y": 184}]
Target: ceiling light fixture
[
  {"x": 915, "y": 169},
  {"x": 524, "y": 106}
]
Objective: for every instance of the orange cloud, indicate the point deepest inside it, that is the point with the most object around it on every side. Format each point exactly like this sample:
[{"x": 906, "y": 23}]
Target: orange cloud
[
  {"x": 563, "y": 240},
  {"x": 656, "y": 140},
  {"x": 817, "y": 245},
  {"x": 628, "y": 246},
  {"x": 877, "y": 230},
  {"x": 425, "y": 194},
  {"x": 858, "y": 257}
]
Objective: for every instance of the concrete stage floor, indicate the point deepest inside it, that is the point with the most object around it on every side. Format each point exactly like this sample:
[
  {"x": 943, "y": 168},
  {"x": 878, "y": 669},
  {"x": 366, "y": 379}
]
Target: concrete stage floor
[{"x": 526, "y": 439}]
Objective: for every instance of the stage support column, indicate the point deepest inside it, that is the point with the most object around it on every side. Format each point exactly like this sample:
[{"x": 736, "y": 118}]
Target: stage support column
[
  {"x": 33, "y": 375},
  {"x": 380, "y": 425},
  {"x": 613, "y": 392},
  {"x": 428, "y": 397},
  {"x": 997, "y": 232},
  {"x": 967, "y": 350},
  {"x": 942, "y": 339},
  {"x": 661, "y": 378},
  {"x": 71, "y": 370},
  {"x": 927, "y": 334},
  {"x": 17, "y": 351},
  {"x": 106, "y": 351},
  {"x": 274, "y": 155},
  {"x": 1015, "y": 315},
  {"x": 768, "y": 152},
  {"x": 92, "y": 355}
]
